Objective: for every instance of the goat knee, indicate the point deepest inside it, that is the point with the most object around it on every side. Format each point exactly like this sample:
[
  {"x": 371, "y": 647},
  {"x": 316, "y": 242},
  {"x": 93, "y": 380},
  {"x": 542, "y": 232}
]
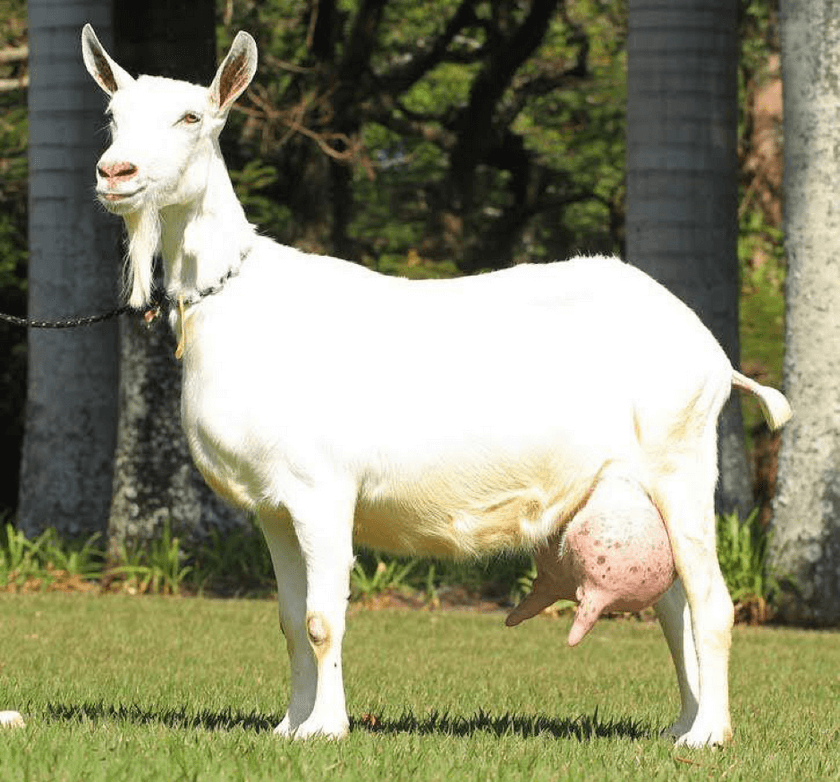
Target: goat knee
[{"x": 318, "y": 632}]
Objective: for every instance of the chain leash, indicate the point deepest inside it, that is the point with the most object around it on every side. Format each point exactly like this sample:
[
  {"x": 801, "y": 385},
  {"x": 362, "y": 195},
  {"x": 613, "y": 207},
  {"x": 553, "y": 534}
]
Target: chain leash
[{"x": 68, "y": 323}]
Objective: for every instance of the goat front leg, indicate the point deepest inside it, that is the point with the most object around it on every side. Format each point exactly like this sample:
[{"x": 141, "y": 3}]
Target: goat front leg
[
  {"x": 323, "y": 523},
  {"x": 290, "y": 572},
  {"x": 312, "y": 554}
]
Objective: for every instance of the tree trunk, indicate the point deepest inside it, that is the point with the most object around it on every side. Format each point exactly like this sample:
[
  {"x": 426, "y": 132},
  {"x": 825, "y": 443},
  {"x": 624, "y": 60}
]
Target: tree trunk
[
  {"x": 155, "y": 481},
  {"x": 71, "y": 409},
  {"x": 682, "y": 179},
  {"x": 805, "y": 548}
]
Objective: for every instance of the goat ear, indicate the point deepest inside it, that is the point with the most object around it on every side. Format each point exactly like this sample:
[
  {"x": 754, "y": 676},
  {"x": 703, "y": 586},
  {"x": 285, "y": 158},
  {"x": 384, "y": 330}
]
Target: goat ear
[
  {"x": 235, "y": 72},
  {"x": 106, "y": 73}
]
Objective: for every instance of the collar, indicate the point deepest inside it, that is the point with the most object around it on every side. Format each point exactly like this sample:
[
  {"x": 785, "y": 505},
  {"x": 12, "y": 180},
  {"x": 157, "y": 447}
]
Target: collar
[{"x": 161, "y": 301}]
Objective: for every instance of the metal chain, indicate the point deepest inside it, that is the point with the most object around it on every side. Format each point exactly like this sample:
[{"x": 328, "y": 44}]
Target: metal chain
[{"x": 69, "y": 323}]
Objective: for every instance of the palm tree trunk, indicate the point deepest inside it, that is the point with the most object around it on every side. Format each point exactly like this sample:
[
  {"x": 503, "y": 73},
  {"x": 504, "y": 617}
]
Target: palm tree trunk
[
  {"x": 71, "y": 409},
  {"x": 682, "y": 179},
  {"x": 805, "y": 548}
]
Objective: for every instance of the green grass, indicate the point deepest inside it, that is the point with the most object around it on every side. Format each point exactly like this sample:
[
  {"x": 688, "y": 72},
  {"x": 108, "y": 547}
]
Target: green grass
[{"x": 116, "y": 688}]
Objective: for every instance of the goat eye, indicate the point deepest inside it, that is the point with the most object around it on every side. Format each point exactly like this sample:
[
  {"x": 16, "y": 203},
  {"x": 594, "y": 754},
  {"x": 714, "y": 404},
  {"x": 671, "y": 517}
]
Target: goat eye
[{"x": 190, "y": 118}]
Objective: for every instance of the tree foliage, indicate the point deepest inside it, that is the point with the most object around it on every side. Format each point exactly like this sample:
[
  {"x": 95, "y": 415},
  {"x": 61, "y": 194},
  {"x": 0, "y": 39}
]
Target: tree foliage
[
  {"x": 13, "y": 245},
  {"x": 429, "y": 139}
]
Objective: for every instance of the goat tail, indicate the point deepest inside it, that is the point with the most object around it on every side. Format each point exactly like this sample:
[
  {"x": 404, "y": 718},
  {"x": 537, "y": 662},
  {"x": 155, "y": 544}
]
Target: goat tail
[{"x": 775, "y": 407}]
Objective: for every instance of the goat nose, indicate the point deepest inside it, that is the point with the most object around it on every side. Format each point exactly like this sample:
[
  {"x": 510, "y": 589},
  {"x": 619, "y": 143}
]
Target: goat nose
[{"x": 117, "y": 172}]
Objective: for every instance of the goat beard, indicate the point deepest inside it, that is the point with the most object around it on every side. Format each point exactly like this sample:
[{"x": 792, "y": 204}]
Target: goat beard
[{"x": 144, "y": 229}]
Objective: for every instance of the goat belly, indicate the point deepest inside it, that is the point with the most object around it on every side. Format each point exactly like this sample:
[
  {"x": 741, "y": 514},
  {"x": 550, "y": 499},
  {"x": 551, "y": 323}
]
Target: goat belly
[
  {"x": 465, "y": 509},
  {"x": 614, "y": 555}
]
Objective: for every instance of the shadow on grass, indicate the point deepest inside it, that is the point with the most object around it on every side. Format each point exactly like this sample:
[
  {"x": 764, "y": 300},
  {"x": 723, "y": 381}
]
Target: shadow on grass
[
  {"x": 582, "y": 728},
  {"x": 224, "y": 720}
]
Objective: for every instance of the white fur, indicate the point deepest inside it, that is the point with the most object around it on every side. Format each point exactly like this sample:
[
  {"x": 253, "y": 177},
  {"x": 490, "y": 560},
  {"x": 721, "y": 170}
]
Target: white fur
[{"x": 456, "y": 417}]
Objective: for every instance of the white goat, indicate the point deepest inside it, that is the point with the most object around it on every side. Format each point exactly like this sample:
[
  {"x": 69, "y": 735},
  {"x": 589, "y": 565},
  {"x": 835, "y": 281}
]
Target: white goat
[{"x": 455, "y": 417}]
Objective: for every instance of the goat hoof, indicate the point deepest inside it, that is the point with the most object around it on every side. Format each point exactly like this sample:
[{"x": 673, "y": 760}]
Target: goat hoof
[
  {"x": 324, "y": 729},
  {"x": 705, "y": 736},
  {"x": 284, "y": 728},
  {"x": 679, "y": 728}
]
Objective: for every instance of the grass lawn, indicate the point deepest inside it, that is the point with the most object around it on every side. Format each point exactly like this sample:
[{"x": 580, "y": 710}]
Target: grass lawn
[{"x": 119, "y": 688}]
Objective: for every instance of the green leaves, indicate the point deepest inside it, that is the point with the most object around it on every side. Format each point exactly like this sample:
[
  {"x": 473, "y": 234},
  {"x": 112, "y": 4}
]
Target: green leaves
[
  {"x": 742, "y": 553},
  {"x": 383, "y": 576},
  {"x": 46, "y": 561},
  {"x": 158, "y": 569}
]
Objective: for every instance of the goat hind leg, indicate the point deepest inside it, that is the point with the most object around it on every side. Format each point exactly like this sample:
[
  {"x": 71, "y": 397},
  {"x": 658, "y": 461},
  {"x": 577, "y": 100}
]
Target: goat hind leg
[
  {"x": 686, "y": 501},
  {"x": 675, "y": 619}
]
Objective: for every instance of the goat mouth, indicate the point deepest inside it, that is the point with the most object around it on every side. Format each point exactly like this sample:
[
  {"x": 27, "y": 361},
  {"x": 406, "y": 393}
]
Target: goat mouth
[
  {"x": 109, "y": 196},
  {"x": 119, "y": 201}
]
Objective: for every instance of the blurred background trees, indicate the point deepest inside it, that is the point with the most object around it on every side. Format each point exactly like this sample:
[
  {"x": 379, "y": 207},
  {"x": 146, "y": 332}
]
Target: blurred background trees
[
  {"x": 430, "y": 139},
  {"x": 14, "y": 129}
]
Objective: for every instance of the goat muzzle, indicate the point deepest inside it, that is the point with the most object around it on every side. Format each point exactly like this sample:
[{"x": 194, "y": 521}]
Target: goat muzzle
[{"x": 117, "y": 172}]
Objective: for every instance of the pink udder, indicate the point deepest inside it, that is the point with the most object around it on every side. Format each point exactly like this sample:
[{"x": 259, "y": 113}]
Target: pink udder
[{"x": 613, "y": 556}]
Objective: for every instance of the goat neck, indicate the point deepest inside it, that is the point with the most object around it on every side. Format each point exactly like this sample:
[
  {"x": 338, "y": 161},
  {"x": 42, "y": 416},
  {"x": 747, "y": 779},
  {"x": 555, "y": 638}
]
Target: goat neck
[{"x": 205, "y": 239}]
